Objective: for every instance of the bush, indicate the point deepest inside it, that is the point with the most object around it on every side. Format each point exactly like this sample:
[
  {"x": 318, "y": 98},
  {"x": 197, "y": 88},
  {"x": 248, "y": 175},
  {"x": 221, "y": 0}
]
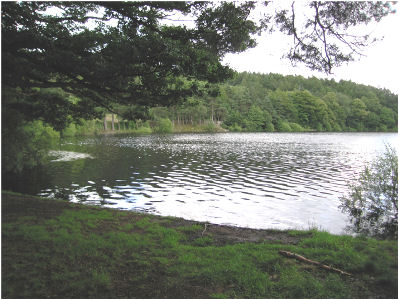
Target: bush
[
  {"x": 235, "y": 128},
  {"x": 269, "y": 127},
  {"x": 336, "y": 127},
  {"x": 372, "y": 202},
  {"x": 25, "y": 145},
  {"x": 210, "y": 127},
  {"x": 283, "y": 126},
  {"x": 89, "y": 127},
  {"x": 163, "y": 125},
  {"x": 295, "y": 127},
  {"x": 69, "y": 131},
  {"x": 319, "y": 127},
  {"x": 85, "y": 127},
  {"x": 143, "y": 130}
]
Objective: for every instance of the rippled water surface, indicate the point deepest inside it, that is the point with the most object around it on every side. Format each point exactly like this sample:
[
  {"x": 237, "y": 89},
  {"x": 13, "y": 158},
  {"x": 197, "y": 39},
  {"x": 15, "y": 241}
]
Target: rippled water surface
[{"x": 260, "y": 180}]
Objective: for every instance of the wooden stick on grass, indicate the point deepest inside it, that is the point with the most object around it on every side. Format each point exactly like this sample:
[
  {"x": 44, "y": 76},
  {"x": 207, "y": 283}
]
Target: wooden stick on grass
[
  {"x": 312, "y": 262},
  {"x": 206, "y": 225}
]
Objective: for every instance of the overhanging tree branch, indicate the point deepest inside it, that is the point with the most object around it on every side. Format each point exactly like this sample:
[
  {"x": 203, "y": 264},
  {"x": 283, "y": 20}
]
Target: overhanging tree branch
[{"x": 324, "y": 46}]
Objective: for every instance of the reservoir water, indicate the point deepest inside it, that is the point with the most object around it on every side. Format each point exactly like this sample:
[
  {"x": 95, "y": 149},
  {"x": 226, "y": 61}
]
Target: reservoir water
[{"x": 257, "y": 180}]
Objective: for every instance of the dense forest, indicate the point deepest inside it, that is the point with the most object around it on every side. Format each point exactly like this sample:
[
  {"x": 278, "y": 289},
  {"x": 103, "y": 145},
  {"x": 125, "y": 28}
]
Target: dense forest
[{"x": 273, "y": 102}]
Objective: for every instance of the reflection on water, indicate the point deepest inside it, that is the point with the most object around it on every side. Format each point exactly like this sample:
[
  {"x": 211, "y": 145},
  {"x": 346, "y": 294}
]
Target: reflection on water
[
  {"x": 67, "y": 155},
  {"x": 258, "y": 180}
]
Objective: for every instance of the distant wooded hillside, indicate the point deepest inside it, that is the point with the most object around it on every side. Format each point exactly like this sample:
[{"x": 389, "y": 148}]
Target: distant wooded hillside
[{"x": 273, "y": 102}]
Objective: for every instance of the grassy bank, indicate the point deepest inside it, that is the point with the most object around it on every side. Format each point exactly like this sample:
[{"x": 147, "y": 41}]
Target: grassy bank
[{"x": 55, "y": 249}]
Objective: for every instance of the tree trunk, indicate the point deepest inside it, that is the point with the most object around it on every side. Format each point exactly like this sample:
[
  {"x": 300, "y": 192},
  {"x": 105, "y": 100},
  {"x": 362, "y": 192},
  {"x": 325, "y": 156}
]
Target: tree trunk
[
  {"x": 212, "y": 113},
  {"x": 113, "y": 123},
  {"x": 105, "y": 122}
]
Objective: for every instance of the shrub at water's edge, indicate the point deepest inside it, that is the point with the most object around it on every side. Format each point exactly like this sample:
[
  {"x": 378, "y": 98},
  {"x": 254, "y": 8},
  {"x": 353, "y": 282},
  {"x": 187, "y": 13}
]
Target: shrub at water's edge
[
  {"x": 372, "y": 202},
  {"x": 56, "y": 249},
  {"x": 25, "y": 145},
  {"x": 163, "y": 125}
]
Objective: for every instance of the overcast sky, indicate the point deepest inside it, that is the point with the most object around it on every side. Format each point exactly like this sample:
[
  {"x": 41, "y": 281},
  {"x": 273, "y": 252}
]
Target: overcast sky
[{"x": 378, "y": 68}]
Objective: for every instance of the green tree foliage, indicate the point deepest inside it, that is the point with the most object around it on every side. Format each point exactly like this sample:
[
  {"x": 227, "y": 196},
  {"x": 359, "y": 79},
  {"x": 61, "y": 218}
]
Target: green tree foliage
[
  {"x": 163, "y": 125},
  {"x": 296, "y": 127},
  {"x": 233, "y": 120},
  {"x": 272, "y": 102},
  {"x": 283, "y": 105},
  {"x": 358, "y": 114},
  {"x": 135, "y": 59},
  {"x": 283, "y": 126},
  {"x": 258, "y": 120},
  {"x": 372, "y": 202},
  {"x": 29, "y": 143}
]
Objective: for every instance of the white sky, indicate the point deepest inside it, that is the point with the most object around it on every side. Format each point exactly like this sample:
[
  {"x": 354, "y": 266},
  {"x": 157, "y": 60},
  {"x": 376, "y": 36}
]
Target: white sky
[{"x": 379, "y": 68}]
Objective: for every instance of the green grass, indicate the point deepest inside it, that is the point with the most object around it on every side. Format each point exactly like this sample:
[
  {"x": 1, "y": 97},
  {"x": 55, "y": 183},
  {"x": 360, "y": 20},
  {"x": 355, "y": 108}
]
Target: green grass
[{"x": 55, "y": 249}]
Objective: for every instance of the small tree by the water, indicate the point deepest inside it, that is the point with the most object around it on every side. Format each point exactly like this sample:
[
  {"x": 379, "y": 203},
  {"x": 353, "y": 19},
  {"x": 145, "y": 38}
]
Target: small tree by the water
[
  {"x": 163, "y": 125},
  {"x": 372, "y": 202}
]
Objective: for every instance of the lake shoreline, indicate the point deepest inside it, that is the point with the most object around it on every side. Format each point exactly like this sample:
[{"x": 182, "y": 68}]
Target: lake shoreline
[
  {"x": 57, "y": 249},
  {"x": 197, "y": 130},
  {"x": 223, "y": 233}
]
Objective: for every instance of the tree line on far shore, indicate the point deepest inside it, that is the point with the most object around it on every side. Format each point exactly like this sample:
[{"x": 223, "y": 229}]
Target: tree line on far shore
[
  {"x": 273, "y": 102},
  {"x": 253, "y": 102}
]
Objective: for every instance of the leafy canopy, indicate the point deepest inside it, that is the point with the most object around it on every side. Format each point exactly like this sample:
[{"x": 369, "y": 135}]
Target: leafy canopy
[{"x": 105, "y": 52}]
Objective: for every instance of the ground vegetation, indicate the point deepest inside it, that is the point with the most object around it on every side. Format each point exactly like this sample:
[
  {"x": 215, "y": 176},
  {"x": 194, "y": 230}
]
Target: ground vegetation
[{"x": 56, "y": 249}]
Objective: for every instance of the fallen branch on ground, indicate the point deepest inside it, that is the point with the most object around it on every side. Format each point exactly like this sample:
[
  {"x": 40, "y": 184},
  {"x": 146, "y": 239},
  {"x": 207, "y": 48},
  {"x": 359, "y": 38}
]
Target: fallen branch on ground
[
  {"x": 312, "y": 262},
  {"x": 204, "y": 229}
]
